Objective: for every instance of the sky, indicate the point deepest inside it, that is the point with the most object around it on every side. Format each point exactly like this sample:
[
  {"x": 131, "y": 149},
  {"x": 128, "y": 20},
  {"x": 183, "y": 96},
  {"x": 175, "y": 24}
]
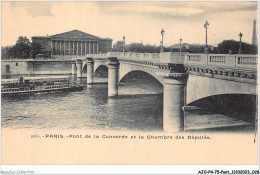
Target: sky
[{"x": 137, "y": 21}]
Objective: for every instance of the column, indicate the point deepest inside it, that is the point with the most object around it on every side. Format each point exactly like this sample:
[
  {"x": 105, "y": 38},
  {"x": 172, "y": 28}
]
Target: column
[
  {"x": 60, "y": 47},
  {"x": 55, "y": 48},
  {"x": 173, "y": 101},
  {"x": 113, "y": 66},
  {"x": 89, "y": 47},
  {"x": 85, "y": 48},
  {"x": 64, "y": 53},
  {"x": 79, "y": 68},
  {"x": 73, "y": 48},
  {"x": 51, "y": 48},
  {"x": 90, "y": 70},
  {"x": 97, "y": 48},
  {"x": 77, "y": 48},
  {"x": 81, "y": 49},
  {"x": 69, "y": 47},
  {"x": 94, "y": 47},
  {"x": 74, "y": 68}
]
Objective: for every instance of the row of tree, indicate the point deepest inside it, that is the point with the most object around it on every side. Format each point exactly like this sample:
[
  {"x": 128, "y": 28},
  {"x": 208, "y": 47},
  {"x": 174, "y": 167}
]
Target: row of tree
[
  {"x": 231, "y": 45},
  {"x": 225, "y": 47},
  {"x": 23, "y": 49}
]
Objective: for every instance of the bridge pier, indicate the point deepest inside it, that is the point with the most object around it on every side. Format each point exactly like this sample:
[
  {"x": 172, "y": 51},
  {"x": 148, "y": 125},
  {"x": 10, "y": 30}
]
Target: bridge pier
[
  {"x": 79, "y": 68},
  {"x": 113, "y": 66},
  {"x": 90, "y": 71},
  {"x": 73, "y": 68},
  {"x": 173, "y": 101}
]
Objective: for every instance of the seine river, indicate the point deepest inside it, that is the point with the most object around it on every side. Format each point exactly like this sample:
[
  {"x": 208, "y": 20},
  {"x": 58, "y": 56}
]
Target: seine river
[{"x": 139, "y": 107}]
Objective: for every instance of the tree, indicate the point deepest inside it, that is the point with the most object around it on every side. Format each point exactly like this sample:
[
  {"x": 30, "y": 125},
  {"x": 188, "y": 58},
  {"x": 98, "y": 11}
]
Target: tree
[
  {"x": 35, "y": 49},
  {"x": 225, "y": 46},
  {"x": 6, "y": 52},
  {"x": 23, "y": 40},
  {"x": 21, "y": 49},
  {"x": 140, "y": 48}
]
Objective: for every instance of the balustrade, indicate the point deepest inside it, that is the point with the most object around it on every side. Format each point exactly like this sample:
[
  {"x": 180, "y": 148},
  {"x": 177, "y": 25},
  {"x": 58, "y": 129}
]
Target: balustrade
[
  {"x": 241, "y": 61},
  {"x": 194, "y": 57},
  {"x": 217, "y": 59},
  {"x": 246, "y": 60}
]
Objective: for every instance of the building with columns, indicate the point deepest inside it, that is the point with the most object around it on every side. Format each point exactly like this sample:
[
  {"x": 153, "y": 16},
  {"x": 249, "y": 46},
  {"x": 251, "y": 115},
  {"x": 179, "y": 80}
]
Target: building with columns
[{"x": 72, "y": 43}]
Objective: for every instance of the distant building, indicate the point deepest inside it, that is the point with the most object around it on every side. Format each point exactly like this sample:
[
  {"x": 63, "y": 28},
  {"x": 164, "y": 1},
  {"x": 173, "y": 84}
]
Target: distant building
[
  {"x": 192, "y": 47},
  {"x": 74, "y": 42},
  {"x": 119, "y": 45},
  {"x": 177, "y": 46}
]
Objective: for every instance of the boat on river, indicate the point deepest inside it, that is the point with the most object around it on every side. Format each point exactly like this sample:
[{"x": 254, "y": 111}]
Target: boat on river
[{"x": 37, "y": 85}]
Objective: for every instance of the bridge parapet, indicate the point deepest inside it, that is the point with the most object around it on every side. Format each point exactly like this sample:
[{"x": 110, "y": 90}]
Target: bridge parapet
[
  {"x": 223, "y": 60},
  {"x": 246, "y": 62},
  {"x": 172, "y": 57},
  {"x": 153, "y": 57},
  {"x": 165, "y": 57},
  {"x": 242, "y": 68}
]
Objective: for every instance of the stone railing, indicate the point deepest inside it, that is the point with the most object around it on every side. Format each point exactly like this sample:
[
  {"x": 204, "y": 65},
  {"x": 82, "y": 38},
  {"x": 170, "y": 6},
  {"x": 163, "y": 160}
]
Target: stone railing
[
  {"x": 165, "y": 57},
  {"x": 153, "y": 57},
  {"x": 61, "y": 57},
  {"x": 218, "y": 60},
  {"x": 223, "y": 60},
  {"x": 246, "y": 61}
]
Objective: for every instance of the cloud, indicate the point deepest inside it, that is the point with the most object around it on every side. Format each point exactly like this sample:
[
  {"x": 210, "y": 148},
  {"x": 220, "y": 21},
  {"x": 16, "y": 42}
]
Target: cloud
[
  {"x": 135, "y": 20},
  {"x": 149, "y": 10},
  {"x": 34, "y": 8},
  {"x": 174, "y": 9}
]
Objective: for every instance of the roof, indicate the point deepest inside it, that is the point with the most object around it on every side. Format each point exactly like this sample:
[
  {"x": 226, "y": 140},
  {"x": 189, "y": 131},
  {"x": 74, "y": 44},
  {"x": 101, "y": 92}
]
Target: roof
[
  {"x": 75, "y": 34},
  {"x": 41, "y": 37},
  {"x": 106, "y": 39}
]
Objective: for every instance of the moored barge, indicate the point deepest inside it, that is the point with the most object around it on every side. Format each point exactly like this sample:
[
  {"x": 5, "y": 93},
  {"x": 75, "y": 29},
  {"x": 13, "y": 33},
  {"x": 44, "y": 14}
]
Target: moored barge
[{"x": 25, "y": 86}]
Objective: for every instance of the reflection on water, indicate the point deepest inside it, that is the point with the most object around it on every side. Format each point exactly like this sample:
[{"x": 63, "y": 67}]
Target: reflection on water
[
  {"x": 89, "y": 109},
  {"x": 138, "y": 107}
]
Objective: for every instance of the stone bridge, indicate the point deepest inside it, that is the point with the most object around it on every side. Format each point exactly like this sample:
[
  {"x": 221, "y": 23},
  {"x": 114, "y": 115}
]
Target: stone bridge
[{"x": 185, "y": 77}]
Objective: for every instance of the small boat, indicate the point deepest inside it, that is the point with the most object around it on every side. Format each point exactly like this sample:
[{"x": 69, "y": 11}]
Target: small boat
[{"x": 26, "y": 86}]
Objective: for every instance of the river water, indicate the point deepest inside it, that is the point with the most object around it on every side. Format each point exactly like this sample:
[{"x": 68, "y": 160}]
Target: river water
[{"x": 139, "y": 107}]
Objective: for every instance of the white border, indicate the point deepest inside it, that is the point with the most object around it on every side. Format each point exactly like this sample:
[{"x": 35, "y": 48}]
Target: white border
[{"x": 124, "y": 169}]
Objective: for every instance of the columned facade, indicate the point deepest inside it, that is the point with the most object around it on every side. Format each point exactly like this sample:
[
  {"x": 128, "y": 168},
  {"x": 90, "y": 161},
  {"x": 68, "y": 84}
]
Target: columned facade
[
  {"x": 68, "y": 47},
  {"x": 73, "y": 43}
]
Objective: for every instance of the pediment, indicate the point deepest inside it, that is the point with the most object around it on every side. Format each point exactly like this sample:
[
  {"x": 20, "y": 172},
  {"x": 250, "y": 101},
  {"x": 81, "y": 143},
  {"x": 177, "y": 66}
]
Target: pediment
[{"x": 74, "y": 34}]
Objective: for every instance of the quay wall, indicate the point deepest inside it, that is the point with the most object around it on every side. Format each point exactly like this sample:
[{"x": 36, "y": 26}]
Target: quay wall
[{"x": 32, "y": 67}]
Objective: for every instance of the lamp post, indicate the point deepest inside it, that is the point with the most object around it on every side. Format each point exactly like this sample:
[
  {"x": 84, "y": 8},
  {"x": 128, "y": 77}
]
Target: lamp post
[
  {"x": 124, "y": 44},
  {"x": 180, "y": 44},
  {"x": 206, "y": 25},
  {"x": 162, "y": 33},
  {"x": 240, "y": 37}
]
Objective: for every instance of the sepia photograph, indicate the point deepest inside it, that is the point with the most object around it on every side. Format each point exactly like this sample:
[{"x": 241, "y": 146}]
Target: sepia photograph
[{"x": 129, "y": 83}]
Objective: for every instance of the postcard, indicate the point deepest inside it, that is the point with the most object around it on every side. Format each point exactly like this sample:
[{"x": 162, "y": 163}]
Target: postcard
[{"x": 129, "y": 83}]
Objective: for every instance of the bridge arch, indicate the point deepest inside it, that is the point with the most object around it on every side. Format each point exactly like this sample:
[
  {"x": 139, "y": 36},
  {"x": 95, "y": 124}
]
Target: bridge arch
[
  {"x": 125, "y": 69},
  {"x": 137, "y": 74},
  {"x": 101, "y": 70},
  {"x": 84, "y": 68},
  {"x": 98, "y": 63},
  {"x": 199, "y": 87},
  {"x": 238, "y": 106},
  {"x": 101, "y": 67}
]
